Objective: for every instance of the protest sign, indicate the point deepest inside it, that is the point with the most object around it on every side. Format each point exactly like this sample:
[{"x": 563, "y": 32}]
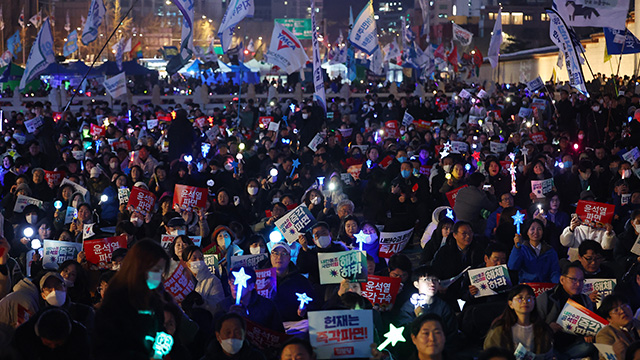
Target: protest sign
[
  {"x": 33, "y": 124},
  {"x": 76, "y": 187},
  {"x": 522, "y": 353},
  {"x": 540, "y": 287},
  {"x": 625, "y": 199},
  {"x": 57, "y": 252},
  {"x": 124, "y": 144},
  {"x": 54, "y": 178},
  {"x": 423, "y": 124},
  {"x": 453, "y": 194},
  {"x": 141, "y": 200},
  {"x": 211, "y": 260},
  {"x": 459, "y": 147},
  {"x": 497, "y": 148},
  {"x": 606, "y": 351},
  {"x": 482, "y": 94},
  {"x": 273, "y": 126},
  {"x": 475, "y": 120},
  {"x": 263, "y": 337},
  {"x": 603, "y": 287},
  {"x": 632, "y": 155},
  {"x": 98, "y": 252},
  {"x": 295, "y": 223},
  {"x": 97, "y": 130},
  {"x": 490, "y": 280},
  {"x": 426, "y": 170},
  {"x": 152, "y": 124},
  {"x": 335, "y": 266},
  {"x": 393, "y": 242},
  {"x": 346, "y": 133},
  {"x": 595, "y": 213},
  {"x": 317, "y": 140},
  {"x": 180, "y": 283},
  {"x": 381, "y": 291},
  {"x": 123, "y": 195},
  {"x": 166, "y": 240},
  {"x": 539, "y": 103},
  {"x": 264, "y": 121},
  {"x": 252, "y": 261},
  {"x": 341, "y": 334},
  {"x": 636, "y": 246},
  {"x": 407, "y": 119},
  {"x": 391, "y": 129},
  {"x": 266, "y": 282},
  {"x": 539, "y": 138},
  {"x": 70, "y": 214},
  {"x": 212, "y": 133},
  {"x": 354, "y": 170},
  {"x": 541, "y": 187},
  {"x": 524, "y": 112},
  {"x": 189, "y": 197},
  {"x": 578, "y": 320},
  {"x": 22, "y": 201}
]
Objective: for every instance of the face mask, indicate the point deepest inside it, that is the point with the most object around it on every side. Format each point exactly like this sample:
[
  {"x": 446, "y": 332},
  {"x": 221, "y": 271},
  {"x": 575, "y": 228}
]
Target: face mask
[
  {"x": 197, "y": 266},
  {"x": 252, "y": 190},
  {"x": 323, "y": 241},
  {"x": 568, "y": 164},
  {"x": 261, "y": 109},
  {"x": 178, "y": 232},
  {"x": 115, "y": 267},
  {"x": 446, "y": 168},
  {"x": 390, "y": 105},
  {"x": 7, "y": 138},
  {"x": 68, "y": 283},
  {"x": 31, "y": 219},
  {"x": 56, "y": 298},
  {"x": 625, "y": 174},
  {"x": 231, "y": 346},
  {"x": 371, "y": 103},
  {"x": 595, "y": 108},
  {"x": 305, "y": 116},
  {"x": 228, "y": 166},
  {"x": 580, "y": 136},
  {"x": 416, "y": 172},
  {"x": 137, "y": 222},
  {"x": 315, "y": 200},
  {"x": 227, "y": 241},
  {"x": 405, "y": 173},
  {"x": 255, "y": 250},
  {"x": 154, "y": 278},
  {"x": 637, "y": 227},
  {"x": 402, "y": 159},
  {"x": 371, "y": 238}
]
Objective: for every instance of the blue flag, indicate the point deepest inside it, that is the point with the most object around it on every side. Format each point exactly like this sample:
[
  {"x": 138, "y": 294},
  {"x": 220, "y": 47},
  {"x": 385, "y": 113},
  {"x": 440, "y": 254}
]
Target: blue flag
[
  {"x": 40, "y": 56},
  {"x": 71, "y": 45},
  {"x": 621, "y": 42},
  {"x": 14, "y": 45}
]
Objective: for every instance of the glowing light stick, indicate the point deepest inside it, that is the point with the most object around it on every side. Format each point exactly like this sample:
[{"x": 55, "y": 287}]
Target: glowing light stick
[
  {"x": 188, "y": 158},
  {"x": 162, "y": 344},
  {"x": 304, "y": 299},
  {"x": 296, "y": 163},
  {"x": 57, "y": 204},
  {"x": 393, "y": 336},
  {"x": 321, "y": 181},
  {"x": 512, "y": 170},
  {"x": 450, "y": 214},
  {"x": 361, "y": 238},
  {"x": 518, "y": 219},
  {"x": 241, "y": 282}
]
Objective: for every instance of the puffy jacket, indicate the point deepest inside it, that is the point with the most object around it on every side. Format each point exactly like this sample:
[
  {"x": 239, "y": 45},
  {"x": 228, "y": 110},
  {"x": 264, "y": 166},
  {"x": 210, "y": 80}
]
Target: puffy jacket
[{"x": 535, "y": 268}]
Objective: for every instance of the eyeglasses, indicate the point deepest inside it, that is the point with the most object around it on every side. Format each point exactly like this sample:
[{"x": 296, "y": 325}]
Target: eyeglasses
[
  {"x": 620, "y": 309},
  {"x": 574, "y": 280},
  {"x": 592, "y": 259},
  {"x": 521, "y": 299},
  {"x": 433, "y": 280},
  {"x": 279, "y": 253}
]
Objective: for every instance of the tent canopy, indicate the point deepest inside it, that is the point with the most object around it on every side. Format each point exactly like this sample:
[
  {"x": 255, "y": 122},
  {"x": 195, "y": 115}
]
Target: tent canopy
[
  {"x": 11, "y": 75},
  {"x": 77, "y": 68},
  {"x": 129, "y": 68}
]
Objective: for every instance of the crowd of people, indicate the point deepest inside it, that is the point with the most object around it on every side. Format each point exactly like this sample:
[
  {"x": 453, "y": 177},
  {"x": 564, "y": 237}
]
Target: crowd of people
[{"x": 368, "y": 166}]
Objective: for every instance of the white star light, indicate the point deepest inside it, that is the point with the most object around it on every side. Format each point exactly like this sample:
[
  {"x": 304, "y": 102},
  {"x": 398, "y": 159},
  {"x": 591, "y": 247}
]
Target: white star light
[
  {"x": 304, "y": 299},
  {"x": 241, "y": 282},
  {"x": 518, "y": 219},
  {"x": 393, "y": 336},
  {"x": 361, "y": 238}
]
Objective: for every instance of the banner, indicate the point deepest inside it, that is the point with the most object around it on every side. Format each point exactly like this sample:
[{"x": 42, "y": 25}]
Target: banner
[
  {"x": 71, "y": 45},
  {"x": 96, "y": 130},
  {"x": 141, "y": 200},
  {"x": 592, "y": 13},
  {"x": 536, "y": 84},
  {"x": 295, "y": 223},
  {"x": 391, "y": 129},
  {"x": 76, "y": 187},
  {"x": 57, "y": 252},
  {"x": 621, "y": 41},
  {"x": 33, "y": 124},
  {"x": 54, "y": 178},
  {"x": 562, "y": 38},
  {"x": 266, "y": 282},
  {"x": 285, "y": 50},
  {"x": 180, "y": 283},
  {"x": 167, "y": 240},
  {"x": 497, "y": 148},
  {"x": 341, "y": 334},
  {"x": 493, "y": 54},
  {"x": 318, "y": 79},
  {"x": 250, "y": 261},
  {"x": 98, "y": 251},
  {"x": 116, "y": 85},
  {"x": 22, "y": 201},
  {"x": 539, "y": 138},
  {"x": 393, "y": 242},
  {"x": 453, "y": 194},
  {"x": 578, "y": 320},
  {"x": 541, "y": 187},
  {"x": 263, "y": 337},
  {"x": 264, "y": 121},
  {"x": 97, "y": 12},
  {"x": 363, "y": 34},
  {"x": 381, "y": 291},
  {"x": 236, "y": 11},
  {"x": 189, "y": 197},
  {"x": 459, "y": 147},
  {"x": 461, "y": 35},
  {"x": 595, "y": 213},
  {"x": 606, "y": 351},
  {"x": 603, "y": 287},
  {"x": 335, "y": 266},
  {"x": 490, "y": 280}
]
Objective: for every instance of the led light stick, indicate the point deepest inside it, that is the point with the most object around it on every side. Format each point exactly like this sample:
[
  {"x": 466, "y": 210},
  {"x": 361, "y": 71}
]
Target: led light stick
[
  {"x": 518, "y": 219},
  {"x": 361, "y": 238},
  {"x": 393, "y": 336},
  {"x": 162, "y": 344},
  {"x": 241, "y": 282},
  {"x": 296, "y": 163},
  {"x": 304, "y": 299},
  {"x": 450, "y": 214}
]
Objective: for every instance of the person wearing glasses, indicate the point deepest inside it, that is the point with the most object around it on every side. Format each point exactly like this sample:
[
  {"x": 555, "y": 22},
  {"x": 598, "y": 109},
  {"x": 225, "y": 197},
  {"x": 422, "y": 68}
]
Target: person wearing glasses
[
  {"x": 623, "y": 328},
  {"x": 521, "y": 324},
  {"x": 549, "y": 305},
  {"x": 591, "y": 257}
]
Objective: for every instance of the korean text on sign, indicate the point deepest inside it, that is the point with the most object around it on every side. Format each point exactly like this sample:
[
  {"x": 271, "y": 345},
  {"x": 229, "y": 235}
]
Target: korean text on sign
[{"x": 341, "y": 334}]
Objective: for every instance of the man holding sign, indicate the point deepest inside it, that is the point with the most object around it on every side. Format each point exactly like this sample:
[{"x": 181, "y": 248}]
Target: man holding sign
[{"x": 592, "y": 220}]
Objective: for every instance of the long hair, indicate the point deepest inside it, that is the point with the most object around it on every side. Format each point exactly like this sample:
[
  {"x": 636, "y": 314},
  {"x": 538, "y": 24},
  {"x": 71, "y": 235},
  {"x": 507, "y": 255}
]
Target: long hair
[{"x": 131, "y": 279}]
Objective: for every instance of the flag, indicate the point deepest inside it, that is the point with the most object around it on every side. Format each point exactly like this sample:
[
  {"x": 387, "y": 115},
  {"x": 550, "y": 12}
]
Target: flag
[
  {"x": 116, "y": 86},
  {"x": 560, "y": 60},
  {"x": 72, "y": 43},
  {"x": 461, "y": 35},
  {"x": 554, "y": 76},
  {"x": 318, "y": 79},
  {"x": 439, "y": 52},
  {"x": 40, "y": 56},
  {"x": 285, "y": 50},
  {"x": 424, "y": 5},
  {"x": 535, "y": 84},
  {"x": 186, "y": 38},
  {"x": 562, "y": 38},
  {"x": 407, "y": 35},
  {"x": 36, "y": 19},
  {"x": 21, "y": 18},
  {"x": 453, "y": 58},
  {"x": 607, "y": 57},
  {"x": 1, "y": 19},
  {"x": 621, "y": 42},
  {"x": 391, "y": 51},
  {"x": 375, "y": 62},
  {"x": 119, "y": 50},
  {"x": 127, "y": 46},
  {"x": 363, "y": 35},
  {"x": 612, "y": 14},
  {"x": 67, "y": 24},
  {"x": 478, "y": 59},
  {"x": 136, "y": 51},
  {"x": 97, "y": 12},
  {"x": 236, "y": 11},
  {"x": 14, "y": 44},
  {"x": 496, "y": 40},
  {"x": 5, "y": 59},
  {"x": 351, "y": 64}
]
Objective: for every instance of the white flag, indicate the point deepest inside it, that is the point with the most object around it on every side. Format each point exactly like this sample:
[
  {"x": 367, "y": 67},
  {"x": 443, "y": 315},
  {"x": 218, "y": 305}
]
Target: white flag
[
  {"x": 93, "y": 22},
  {"x": 40, "y": 56},
  {"x": 67, "y": 24},
  {"x": 363, "y": 34},
  {"x": 116, "y": 85},
  {"x": 186, "y": 39},
  {"x": 318, "y": 80},
  {"x": 119, "y": 49},
  {"x": 375, "y": 62},
  {"x": 36, "y": 19},
  {"x": 236, "y": 11},
  {"x": 496, "y": 40},
  {"x": 21, "y": 18},
  {"x": 612, "y": 14},
  {"x": 391, "y": 51},
  {"x": 560, "y": 36},
  {"x": 285, "y": 50},
  {"x": 426, "y": 19},
  {"x": 127, "y": 46},
  {"x": 460, "y": 34},
  {"x": 1, "y": 19}
]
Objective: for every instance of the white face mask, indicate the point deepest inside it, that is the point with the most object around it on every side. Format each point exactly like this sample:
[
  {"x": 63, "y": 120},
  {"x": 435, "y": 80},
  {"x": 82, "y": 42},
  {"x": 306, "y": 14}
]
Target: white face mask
[
  {"x": 31, "y": 218},
  {"x": 68, "y": 283},
  {"x": 178, "y": 232},
  {"x": 625, "y": 174},
  {"x": 637, "y": 227},
  {"x": 231, "y": 346},
  {"x": 446, "y": 168},
  {"x": 371, "y": 103},
  {"x": 197, "y": 266},
  {"x": 371, "y": 238},
  {"x": 115, "y": 267},
  {"x": 137, "y": 222},
  {"x": 390, "y": 105},
  {"x": 305, "y": 116},
  {"x": 255, "y": 250},
  {"x": 323, "y": 241},
  {"x": 252, "y": 190},
  {"x": 228, "y": 166},
  {"x": 315, "y": 200},
  {"x": 154, "y": 278},
  {"x": 56, "y": 298}
]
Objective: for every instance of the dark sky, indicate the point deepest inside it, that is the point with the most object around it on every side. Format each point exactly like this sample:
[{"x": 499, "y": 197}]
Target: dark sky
[{"x": 338, "y": 10}]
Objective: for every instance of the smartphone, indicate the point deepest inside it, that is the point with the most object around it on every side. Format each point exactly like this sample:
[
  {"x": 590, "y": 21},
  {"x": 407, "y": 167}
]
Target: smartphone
[{"x": 486, "y": 187}]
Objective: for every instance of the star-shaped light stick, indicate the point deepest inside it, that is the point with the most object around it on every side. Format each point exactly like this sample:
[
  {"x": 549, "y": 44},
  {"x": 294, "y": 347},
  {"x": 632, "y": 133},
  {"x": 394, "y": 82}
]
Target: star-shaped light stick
[
  {"x": 445, "y": 150},
  {"x": 450, "y": 214},
  {"x": 296, "y": 163},
  {"x": 393, "y": 336},
  {"x": 304, "y": 299},
  {"x": 476, "y": 156},
  {"x": 241, "y": 282},
  {"x": 518, "y": 219},
  {"x": 361, "y": 238}
]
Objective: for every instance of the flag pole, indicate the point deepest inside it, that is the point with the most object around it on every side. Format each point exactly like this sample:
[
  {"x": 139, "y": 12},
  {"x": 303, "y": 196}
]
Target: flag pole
[{"x": 95, "y": 59}]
